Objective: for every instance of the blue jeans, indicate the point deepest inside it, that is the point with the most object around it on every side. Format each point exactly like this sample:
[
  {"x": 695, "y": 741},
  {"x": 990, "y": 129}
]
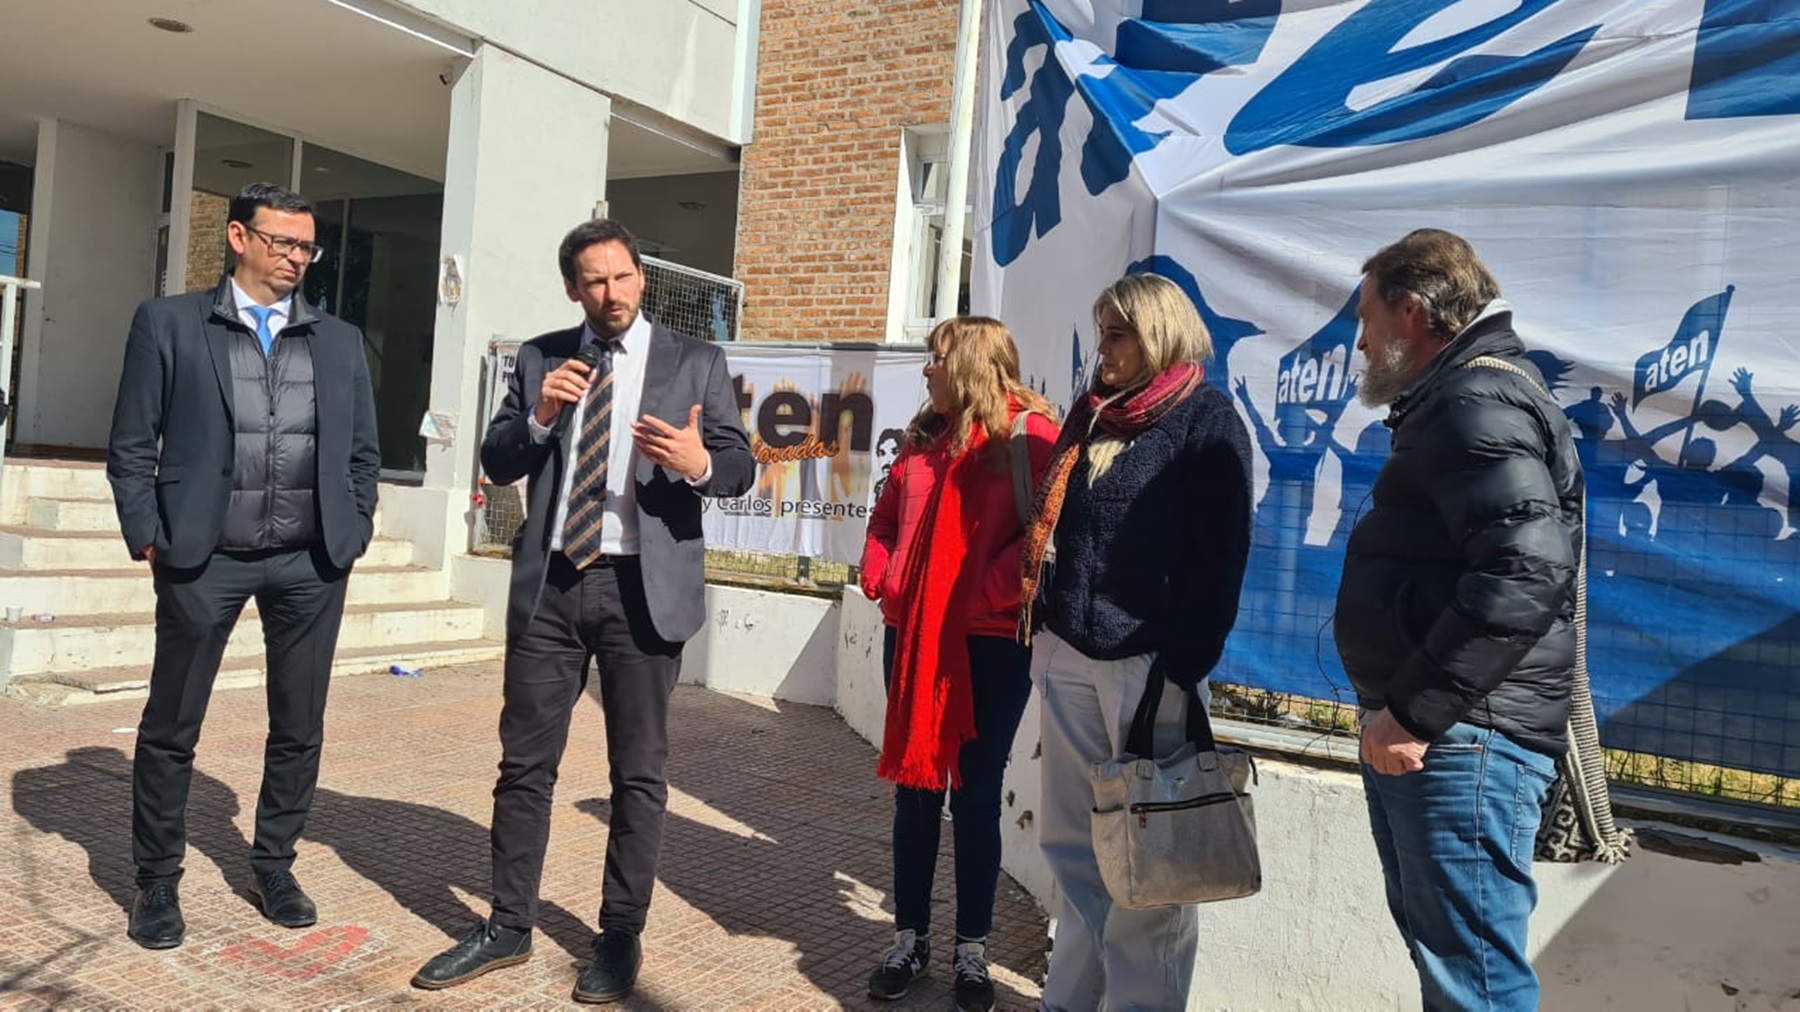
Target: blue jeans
[
  {"x": 1000, "y": 670},
  {"x": 1455, "y": 841}
]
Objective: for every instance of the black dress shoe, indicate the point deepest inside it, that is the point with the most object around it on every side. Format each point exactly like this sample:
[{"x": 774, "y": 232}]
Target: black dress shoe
[
  {"x": 281, "y": 899},
  {"x": 485, "y": 947},
  {"x": 614, "y": 970},
  {"x": 156, "y": 917}
]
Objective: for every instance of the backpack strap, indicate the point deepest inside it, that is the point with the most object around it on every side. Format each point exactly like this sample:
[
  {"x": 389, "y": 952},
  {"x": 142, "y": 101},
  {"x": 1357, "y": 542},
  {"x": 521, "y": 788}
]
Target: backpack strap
[
  {"x": 1584, "y": 766},
  {"x": 1494, "y": 362},
  {"x": 1021, "y": 469}
]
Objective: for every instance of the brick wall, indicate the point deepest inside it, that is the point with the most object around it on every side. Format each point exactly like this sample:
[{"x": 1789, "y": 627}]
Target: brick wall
[
  {"x": 206, "y": 240},
  {"x": 837, "y": 80}
]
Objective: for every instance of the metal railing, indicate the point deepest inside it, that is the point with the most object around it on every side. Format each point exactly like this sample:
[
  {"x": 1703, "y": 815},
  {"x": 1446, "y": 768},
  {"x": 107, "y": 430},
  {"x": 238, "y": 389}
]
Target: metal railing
[
  {"x": 1328, "y": 729},
  {"x": 11, "y": 289}
]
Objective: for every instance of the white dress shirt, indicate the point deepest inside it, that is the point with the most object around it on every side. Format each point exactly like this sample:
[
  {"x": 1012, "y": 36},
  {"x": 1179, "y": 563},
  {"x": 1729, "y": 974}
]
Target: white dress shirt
[
  {"x": 619, "y": 522},
  {"x": 278, "y": 319}
]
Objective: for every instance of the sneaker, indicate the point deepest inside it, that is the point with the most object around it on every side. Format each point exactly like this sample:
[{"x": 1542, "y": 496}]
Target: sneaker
[
  {"x": 974, "y": 988},
  {"x": 904, "y": 963}
]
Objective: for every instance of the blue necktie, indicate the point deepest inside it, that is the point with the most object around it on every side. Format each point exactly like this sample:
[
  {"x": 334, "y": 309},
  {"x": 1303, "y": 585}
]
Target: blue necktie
[{"x": 262, "y": 314}]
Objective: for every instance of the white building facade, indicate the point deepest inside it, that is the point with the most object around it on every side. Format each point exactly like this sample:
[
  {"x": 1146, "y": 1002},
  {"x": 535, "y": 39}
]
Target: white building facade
[{"x": 432, "y": 136}]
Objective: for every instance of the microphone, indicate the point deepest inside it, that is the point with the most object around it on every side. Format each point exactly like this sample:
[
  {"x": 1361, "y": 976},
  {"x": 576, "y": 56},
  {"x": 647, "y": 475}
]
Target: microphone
[{"x": 589, "y": 356}]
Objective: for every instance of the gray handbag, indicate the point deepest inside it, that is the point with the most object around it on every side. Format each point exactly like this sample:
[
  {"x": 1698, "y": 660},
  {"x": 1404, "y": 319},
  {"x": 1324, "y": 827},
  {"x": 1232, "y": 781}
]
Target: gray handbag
[{"x": 1179, "y": 829}]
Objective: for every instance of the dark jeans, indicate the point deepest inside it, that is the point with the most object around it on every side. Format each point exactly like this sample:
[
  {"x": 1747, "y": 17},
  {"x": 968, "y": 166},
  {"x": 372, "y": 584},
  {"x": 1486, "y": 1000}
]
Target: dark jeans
[
  {"x": 1000, "y": 670},
  {"x": 300, "y": 598},
  {"x": 597, "y": 613},
  {"x": 1455, "y": 841}
]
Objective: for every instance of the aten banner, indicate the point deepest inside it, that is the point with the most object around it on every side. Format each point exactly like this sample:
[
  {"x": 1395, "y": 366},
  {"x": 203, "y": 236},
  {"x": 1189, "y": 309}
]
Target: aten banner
[
  {"x": 1631, "y": 172},
  {"x": 825, "y": 424}
]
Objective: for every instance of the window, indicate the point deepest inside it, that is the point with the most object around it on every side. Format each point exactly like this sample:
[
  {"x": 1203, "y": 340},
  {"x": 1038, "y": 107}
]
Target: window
[{"x": 919, "y": 235}]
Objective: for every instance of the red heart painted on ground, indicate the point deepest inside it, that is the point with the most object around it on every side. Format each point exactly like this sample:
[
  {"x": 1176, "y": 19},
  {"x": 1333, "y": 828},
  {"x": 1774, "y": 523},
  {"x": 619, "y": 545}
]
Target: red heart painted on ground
[{"x": 304, "y": 959}]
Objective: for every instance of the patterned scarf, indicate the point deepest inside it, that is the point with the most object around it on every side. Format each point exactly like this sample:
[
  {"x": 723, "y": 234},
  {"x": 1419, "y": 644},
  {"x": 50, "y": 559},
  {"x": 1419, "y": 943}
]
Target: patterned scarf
[{"x": 1121, "y": 416}]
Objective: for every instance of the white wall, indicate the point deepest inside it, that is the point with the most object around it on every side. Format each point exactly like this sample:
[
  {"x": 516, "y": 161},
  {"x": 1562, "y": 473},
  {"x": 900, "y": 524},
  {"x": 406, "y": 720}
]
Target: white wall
[
  {"x": 754, "y": 642},
  {"x": 760, "y": 643},
  {"x": 673, "y": 45},
  {"x": 526, "y": 162},
  {"x": 93, "y": 241},
  {"x": 703, "y": 238}
]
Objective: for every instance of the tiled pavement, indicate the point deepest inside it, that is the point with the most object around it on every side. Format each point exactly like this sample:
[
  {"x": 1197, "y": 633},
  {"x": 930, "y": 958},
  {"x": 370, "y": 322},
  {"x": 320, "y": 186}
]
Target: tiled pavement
[{"x": 772, "y": 893}]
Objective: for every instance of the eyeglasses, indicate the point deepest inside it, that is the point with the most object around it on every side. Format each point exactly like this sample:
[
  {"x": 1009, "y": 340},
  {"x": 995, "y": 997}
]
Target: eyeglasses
[{"x": 285, "y": 245}]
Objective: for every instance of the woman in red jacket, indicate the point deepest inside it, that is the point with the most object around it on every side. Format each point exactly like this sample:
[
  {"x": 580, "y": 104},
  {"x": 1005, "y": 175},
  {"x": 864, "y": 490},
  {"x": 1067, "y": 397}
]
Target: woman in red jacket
[{"x": 943, "y": 558}]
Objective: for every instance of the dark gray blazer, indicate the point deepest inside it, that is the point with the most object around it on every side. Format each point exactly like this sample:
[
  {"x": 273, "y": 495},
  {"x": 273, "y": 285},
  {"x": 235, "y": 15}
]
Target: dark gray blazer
[
  {"x": 680, "y": 373},
  {"x": 171, "y": 451}
]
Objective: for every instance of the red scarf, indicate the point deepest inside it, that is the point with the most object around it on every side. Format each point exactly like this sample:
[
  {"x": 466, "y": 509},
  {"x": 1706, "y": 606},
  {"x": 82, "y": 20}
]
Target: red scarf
[
  {"x": 931, "y": 705},
  {"x": 1120, "y": 416}
]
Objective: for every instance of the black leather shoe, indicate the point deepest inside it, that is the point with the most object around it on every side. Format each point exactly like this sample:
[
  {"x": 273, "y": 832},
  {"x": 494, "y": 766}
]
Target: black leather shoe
[
  {"x": 614, "y": 970},
  {"x": 156, "y": 917},
  {"x": 484, "y": 947},
  {"x": 281, "y": 899}
]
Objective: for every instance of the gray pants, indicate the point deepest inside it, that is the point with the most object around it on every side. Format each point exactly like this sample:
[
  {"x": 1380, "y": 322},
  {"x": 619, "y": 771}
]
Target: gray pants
[{"x": 1105, "y": 956}]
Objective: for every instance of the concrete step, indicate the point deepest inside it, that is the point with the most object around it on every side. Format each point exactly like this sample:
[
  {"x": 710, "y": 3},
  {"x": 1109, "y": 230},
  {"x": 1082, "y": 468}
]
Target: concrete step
[
  {"x": 81, "y": 642},
  {"x": 69, "y": 593},
  {"x": 34, "y": 548},
  {"x": 71, "y": 515},
  {"x": 27, "y": 480},
  {"x": 26, "y": 484},
  {"x": 23, "y": 548},
  {"x": 132, "y": 681}
]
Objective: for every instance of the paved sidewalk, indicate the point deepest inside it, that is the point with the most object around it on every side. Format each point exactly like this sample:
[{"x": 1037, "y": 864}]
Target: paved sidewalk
[{"x": 772, "y": 895}]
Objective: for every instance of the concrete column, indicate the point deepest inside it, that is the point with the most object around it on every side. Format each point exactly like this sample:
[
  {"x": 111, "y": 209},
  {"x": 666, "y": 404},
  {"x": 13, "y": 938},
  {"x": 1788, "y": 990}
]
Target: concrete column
[
  {"x": 93, "y": 245},
  {"x": 526, "y": 162}
]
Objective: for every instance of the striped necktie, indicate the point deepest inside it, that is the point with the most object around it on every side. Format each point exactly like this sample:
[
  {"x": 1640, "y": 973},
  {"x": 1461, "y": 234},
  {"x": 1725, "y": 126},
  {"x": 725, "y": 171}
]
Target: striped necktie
[{"x": 587, "y": 496}]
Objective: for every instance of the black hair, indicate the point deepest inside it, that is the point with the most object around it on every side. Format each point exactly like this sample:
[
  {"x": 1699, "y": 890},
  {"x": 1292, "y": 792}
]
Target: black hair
[
  {"x": 593, "y": 233},
  {"x": 275, "y": 198}
]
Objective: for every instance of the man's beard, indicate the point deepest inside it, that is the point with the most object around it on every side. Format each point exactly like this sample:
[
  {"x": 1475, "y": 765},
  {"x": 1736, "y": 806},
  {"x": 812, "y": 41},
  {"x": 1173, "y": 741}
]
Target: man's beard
[
  {"x": 1386, "y": 377},
  {"x": 604, "y": 327}
]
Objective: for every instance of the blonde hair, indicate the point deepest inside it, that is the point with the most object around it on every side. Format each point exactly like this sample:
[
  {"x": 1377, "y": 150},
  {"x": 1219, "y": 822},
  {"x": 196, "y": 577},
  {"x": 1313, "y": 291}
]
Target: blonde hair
[
  {"x": 1169, "y": 332},
  {"x": 981, "y": 374}
]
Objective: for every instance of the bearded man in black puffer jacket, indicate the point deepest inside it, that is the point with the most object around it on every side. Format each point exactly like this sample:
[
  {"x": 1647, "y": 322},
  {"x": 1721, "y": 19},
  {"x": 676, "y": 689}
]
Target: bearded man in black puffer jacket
[{"x": 1455, "y": 616}]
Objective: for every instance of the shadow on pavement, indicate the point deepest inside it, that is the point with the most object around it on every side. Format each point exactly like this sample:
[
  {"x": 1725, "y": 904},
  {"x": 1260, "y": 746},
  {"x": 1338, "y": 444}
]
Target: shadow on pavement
[
  {"x": 420, "y": 856},
  {"x": 808, "y": 860},
  {"x": 86, "y": 799}
]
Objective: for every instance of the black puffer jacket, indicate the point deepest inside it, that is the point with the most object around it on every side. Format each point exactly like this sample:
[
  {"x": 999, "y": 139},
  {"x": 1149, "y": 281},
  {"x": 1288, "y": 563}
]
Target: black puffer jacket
[{"x": 1457, "y": 602}]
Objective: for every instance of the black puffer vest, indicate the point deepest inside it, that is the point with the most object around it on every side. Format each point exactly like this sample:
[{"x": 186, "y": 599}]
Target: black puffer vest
[{"x": 275, "y": 472}]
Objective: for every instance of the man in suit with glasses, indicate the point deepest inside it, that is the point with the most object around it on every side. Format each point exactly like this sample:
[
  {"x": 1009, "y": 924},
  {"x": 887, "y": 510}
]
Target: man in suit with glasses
[{"x": 243, "y": 460}]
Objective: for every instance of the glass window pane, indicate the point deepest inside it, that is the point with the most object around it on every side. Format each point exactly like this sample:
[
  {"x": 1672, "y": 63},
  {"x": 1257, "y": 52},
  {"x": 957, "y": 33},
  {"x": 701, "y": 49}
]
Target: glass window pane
[
  {"x": 227, "y": 157},
  {"x": 380, "y": 228}
]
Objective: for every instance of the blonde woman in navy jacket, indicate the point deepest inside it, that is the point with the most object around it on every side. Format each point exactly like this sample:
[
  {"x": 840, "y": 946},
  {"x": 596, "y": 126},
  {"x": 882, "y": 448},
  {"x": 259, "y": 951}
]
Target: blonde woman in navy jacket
[{"x": 1147, "y": 501}]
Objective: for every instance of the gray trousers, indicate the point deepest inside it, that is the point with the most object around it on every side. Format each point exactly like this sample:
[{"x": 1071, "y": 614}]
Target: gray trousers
[{"x": 1105, "y": 956}]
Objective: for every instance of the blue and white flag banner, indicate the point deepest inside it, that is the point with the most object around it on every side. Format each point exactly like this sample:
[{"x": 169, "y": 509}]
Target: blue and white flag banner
[
  {"x": 1630, "y": 171},
  {"x": 825, "y": 424}
]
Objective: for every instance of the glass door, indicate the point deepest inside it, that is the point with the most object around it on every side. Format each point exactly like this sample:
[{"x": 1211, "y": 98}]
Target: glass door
[{"x": 380, "y": 228}]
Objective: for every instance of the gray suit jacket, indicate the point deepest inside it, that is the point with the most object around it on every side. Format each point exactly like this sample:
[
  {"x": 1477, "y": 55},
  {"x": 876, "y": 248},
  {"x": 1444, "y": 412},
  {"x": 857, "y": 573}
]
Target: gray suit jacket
[
  {"x": 680, "y": 373},
  {"x": 172, "y": 446}
]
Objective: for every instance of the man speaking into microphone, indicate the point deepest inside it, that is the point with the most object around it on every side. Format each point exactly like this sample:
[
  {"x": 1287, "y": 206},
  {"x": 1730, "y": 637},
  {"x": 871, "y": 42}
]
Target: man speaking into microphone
[{"x": 621, "y": 425}]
